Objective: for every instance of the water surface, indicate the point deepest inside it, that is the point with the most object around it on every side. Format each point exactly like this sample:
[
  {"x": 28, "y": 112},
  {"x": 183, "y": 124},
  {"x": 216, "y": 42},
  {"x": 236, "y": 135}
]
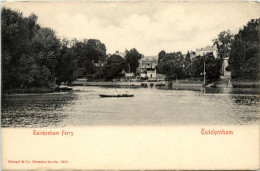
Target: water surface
[{"x": 149, "y": 106}]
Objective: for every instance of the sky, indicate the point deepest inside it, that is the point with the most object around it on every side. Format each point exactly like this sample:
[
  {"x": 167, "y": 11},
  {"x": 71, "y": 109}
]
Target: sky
[{"x": 147, "y": 26}]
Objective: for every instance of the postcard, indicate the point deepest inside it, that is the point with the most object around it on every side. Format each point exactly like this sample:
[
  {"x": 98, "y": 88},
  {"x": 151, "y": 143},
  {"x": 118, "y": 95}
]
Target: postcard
[{"x": 130, "y": 85}]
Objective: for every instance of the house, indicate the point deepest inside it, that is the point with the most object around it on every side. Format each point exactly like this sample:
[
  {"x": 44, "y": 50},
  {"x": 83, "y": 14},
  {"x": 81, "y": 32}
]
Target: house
[
  {"x": 148, "y": 66},
  {"x": 208, "y": 49}
]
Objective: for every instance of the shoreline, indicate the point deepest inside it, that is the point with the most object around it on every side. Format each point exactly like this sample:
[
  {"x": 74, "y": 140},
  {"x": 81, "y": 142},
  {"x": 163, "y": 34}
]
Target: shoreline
[
  {"x": 28, "y": 90},
  {"x": 176, "y": 84},
  {"x": 245, "y": 83}
]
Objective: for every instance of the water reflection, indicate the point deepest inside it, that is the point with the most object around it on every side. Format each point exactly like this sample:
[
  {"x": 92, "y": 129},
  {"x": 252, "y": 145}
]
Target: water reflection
[
  {"x": 35, "y": 110},
  {"x": 209, "y": 90},
  {"x": 149, "y": 106}
]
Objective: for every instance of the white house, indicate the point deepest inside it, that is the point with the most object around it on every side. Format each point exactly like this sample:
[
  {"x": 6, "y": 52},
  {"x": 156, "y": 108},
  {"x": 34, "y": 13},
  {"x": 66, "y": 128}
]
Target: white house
[
  {"x": 148, "y": 66},
  {"x": 208, "y": 49}
]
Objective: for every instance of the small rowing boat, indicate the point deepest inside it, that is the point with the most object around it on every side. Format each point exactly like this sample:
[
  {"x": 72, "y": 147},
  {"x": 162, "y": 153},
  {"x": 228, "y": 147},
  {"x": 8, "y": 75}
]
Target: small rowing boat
[{"x": 117, "y": 95}]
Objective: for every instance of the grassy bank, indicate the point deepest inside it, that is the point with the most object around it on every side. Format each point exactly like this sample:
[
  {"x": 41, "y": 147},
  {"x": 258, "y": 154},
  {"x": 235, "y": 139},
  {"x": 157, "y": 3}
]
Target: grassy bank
[
  {"x": 188, "y": 83},
  {"x": 245, "y": 83}
]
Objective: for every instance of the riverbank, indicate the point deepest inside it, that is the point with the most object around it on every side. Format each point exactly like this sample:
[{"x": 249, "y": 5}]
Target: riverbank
[
  {"x": 176, "y": 83},
  {"x": 245, "y": 83},
  {"x": 37, "y": 90},
  {"x": 29, "y": 90},
  {"x": 112, "y": 84},
  {"x": 236, "y": 83},
  {"x": 187, "y": 83}
]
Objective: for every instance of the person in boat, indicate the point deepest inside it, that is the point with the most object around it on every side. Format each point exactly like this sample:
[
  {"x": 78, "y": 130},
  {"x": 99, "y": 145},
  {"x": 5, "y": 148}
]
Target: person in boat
[{"x": 125, "y": 93}]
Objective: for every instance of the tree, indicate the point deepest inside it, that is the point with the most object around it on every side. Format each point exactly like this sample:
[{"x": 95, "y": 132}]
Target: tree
[
  {"x": 66, "y": 67},
  {"x": 212, "y": 66},
  {"x": 28, "y": 71},
  {"x": 187, "y": 64},
  {"x": 113, "y": 67},
  {"x": 244, "y": 55},
  {"x": 161, "y": 55},
  {"x": 172, "y": 65},
  {"x": 45, "y": 49},
  {"x": 29, "y": 51},
  {"x": 96, "y": 50},
  {"x": 17, "y": 33},
  {"x": 88, "y": 52},
  {"x": 223, "y": 43},
  {"x": 132, "y": 58}
]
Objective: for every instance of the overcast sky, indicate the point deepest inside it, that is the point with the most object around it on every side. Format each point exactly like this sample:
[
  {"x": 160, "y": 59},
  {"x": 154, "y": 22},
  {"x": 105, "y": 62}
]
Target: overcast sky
[{"x": 147, "y": 26}]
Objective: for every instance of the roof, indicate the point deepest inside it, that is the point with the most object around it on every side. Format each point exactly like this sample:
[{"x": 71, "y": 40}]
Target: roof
[{"x": 150, "y": 58}]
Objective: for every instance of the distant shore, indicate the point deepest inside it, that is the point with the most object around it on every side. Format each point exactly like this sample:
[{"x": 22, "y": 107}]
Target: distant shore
[
  {"x": 236, "y": 83},
  {"x": 176, "y": 83}
]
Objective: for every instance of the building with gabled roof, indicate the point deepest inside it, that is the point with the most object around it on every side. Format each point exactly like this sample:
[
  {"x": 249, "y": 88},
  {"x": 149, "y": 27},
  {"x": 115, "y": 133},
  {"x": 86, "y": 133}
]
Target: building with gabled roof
[{"x": 148, "y": 66}]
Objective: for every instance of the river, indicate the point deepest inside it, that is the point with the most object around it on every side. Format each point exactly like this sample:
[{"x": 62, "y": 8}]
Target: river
[{"x": 149, "y": 106}]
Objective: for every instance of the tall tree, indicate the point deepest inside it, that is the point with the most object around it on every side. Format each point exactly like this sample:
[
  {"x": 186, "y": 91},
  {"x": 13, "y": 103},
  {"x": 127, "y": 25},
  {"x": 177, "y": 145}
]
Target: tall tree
[
  {"x": 212, "y": 66},
  {"x": 113, "y": 67},
  {"x": 29, "y": 51},
  {"x": 17, "y": 33},
  {"x": 223, "y": 43},
  {"x": 45, "y": 49},
  {"x": 245, "y": 56},
  {"x": 88, "y": 52},
  {"x": 66, "y": 68},
  {"x": 172, "y": 65},
  {"x": 132, "y": 58},
  {"x": 187, "y": 64},
  {"x": 161, "y": 55}
]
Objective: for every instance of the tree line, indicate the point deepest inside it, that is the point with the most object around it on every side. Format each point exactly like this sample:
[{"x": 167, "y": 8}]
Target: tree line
[
  {"x": 33, "y": 56},
  {"x": 244, "y": 53},
  {"x": 176, "y": 66},
  {"x": 241, "y": 48}
]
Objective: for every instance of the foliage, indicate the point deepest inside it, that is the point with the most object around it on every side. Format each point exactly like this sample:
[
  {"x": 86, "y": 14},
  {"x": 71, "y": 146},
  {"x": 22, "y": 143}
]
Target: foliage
[
  {"x": 33, "y": 56},
  {"x": 223, "y": 43},
  {"x": 66, "y": 67},
  {"x": 20, "y": 67},
  {"x": 172, "y": 65},
  {"x": 187, "y": 64},
  {"x": 113, "y": 67},
  {"x": 212, "y": 66},
  {"x": 161, "y": 55},
  {"x": 132, "y": 58},
  {"x": 45, "y": 48},
  {"x": 88, "y": 52},
  {"x": 244, "y": 55}
]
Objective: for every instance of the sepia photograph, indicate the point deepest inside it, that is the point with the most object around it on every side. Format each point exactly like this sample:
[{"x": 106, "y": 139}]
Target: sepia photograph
[{"x": 130, "y": 85}]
